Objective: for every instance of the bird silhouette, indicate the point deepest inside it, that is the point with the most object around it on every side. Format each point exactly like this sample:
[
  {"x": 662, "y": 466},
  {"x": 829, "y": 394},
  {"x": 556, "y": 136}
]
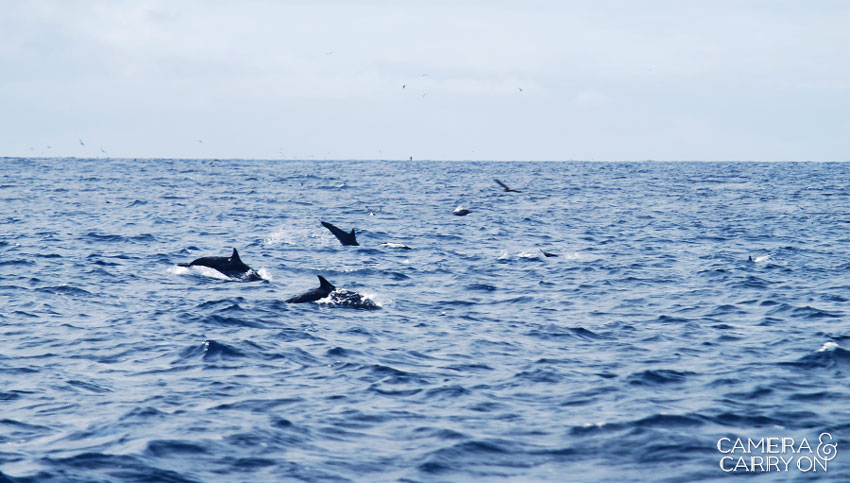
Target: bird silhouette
[{"x": 507, "y": 190}]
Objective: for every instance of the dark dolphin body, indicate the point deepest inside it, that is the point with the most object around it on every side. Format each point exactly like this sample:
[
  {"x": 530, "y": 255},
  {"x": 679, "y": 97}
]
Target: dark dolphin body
[
  {"x": 337, "y": 297},
  {"x": 324, "y": 289},
  {"x": 231, "y": 266},
  {"x": 345, "y": 238}
]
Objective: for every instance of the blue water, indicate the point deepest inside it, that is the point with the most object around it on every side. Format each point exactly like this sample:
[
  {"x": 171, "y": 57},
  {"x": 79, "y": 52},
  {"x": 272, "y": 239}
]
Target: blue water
[{"x": 626, "y": 357}]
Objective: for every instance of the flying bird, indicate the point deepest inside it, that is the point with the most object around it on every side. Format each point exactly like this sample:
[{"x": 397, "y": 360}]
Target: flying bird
[
  {"x": 82, "y": 143},
  {"x": 507, "y": 190}
]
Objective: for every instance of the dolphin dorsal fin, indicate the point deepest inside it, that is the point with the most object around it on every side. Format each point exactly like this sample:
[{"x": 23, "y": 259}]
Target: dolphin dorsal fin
[
  {"x": 235, "y": 256},
  {"x": 324, "y": 283}
]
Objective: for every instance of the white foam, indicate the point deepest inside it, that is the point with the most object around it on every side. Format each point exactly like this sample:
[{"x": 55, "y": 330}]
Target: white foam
[
  {"x": 280, "y": 236},
  {"x": 301, "y": 234},
  {"x": 376, "y": 298},
  {"x": 265, "y": 274},
  {"x": 339, "y": 297},
  {"x": 761, "y": 259},
  {"x": 828, "y": 347},
  {"x": 178, "y": 270}
]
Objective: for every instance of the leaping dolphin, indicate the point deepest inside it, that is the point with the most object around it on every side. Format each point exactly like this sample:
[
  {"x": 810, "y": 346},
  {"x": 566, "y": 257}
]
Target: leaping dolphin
[
  {"x": 231, "y": 266},
  {"x": 325, "y": 288},
  {"x": 343, "y": 237}
]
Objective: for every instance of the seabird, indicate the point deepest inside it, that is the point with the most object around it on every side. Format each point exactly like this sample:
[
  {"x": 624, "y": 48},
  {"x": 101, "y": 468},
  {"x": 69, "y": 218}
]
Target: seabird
[
  {"x": 460, "y": 211},
  {"x": 507, "y": 190}
]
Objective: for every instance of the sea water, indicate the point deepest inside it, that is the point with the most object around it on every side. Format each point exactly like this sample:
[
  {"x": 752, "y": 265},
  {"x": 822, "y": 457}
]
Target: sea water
[{"x": 688, "y": 303}]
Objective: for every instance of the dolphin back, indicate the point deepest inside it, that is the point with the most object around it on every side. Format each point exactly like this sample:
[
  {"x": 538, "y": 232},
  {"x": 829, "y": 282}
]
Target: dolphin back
[
  {"x": 231, "y": 266},
  {"x": 323, "y": 290}
]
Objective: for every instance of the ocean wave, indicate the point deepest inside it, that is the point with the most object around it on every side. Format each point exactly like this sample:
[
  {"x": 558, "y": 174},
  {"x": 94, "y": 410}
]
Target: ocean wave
[{"x": 626, "y": 357}]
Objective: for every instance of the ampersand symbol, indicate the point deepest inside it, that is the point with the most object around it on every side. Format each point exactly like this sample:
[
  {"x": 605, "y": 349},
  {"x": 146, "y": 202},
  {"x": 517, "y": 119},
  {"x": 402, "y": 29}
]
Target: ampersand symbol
[{"x": 826, "y": 451}]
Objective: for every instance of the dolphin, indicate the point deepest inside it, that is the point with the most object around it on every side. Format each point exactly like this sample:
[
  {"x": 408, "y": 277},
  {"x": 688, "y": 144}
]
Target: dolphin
[
  {"x": 325, "y": 288},
  {"x": 337, "y": 297},
  {"x": 396, "y": 245},
  {"x": 231, "y": 266},
  {"x": 460, "y": 211},
  {"x": 343, "y": 237}
]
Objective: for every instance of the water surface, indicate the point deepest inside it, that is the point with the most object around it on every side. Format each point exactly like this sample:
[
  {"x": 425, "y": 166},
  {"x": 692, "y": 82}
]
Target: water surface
[{"x": 626, "y": 357}]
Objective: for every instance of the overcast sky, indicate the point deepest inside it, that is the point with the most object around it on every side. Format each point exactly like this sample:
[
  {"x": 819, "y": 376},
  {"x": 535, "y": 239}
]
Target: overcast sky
[{"x": 368, "y": 79}]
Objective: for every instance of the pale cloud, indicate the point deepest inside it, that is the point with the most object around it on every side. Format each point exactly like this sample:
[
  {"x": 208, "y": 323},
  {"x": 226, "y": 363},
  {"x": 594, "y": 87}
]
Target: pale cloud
[
  {"x": 591, "y": 97},
  {"x": 604, "y": 80}
]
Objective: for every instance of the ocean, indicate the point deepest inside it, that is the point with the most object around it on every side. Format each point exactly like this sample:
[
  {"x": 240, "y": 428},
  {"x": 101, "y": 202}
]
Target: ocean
[{"x": 692, "y": 309}]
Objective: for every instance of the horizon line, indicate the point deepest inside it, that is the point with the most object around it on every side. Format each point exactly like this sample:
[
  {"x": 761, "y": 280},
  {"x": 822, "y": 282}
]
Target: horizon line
[{"x": 158, "y": 158}]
